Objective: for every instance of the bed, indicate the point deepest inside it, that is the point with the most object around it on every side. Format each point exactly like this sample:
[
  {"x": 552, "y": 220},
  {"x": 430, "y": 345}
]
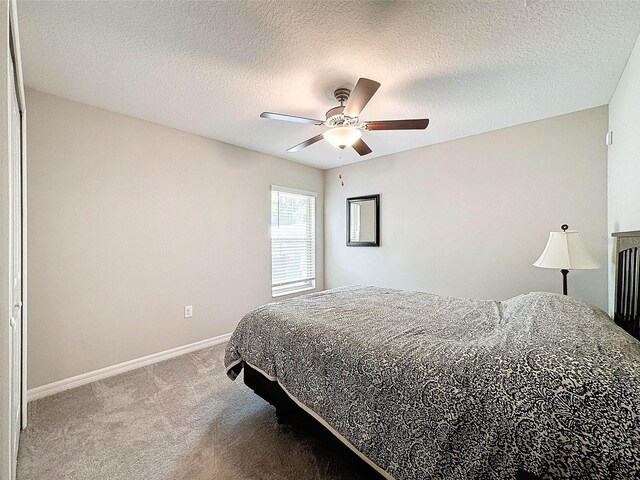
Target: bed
[{"x": 422, "y": 386}]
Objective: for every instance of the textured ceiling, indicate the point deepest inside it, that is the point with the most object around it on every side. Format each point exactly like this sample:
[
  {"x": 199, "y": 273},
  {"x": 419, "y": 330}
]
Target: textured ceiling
[{"x": 212, "y": 67}]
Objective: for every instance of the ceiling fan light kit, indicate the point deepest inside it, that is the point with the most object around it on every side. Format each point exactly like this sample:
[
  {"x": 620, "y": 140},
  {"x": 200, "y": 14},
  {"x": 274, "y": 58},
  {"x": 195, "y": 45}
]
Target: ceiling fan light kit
[
  {"x": 343, "y": 121},
  {"x": 342, "y": 137}
]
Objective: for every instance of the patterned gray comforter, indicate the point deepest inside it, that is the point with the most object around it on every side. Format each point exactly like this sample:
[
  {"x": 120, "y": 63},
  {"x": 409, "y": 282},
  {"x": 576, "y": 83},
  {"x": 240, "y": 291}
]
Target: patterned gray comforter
[{"x": 432, "y": 387}]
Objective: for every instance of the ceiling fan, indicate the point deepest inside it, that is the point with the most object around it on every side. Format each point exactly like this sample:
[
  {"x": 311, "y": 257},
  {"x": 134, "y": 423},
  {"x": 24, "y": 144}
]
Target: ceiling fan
[{"x": 345, "y": 127}]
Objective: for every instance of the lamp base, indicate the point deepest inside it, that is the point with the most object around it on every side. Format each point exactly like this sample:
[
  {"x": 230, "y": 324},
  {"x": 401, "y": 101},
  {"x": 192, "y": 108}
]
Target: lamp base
[{"x": 564, "y": 273}]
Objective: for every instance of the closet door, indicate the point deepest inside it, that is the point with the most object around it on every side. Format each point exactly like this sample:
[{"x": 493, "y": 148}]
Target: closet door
[{"x": 15, "y": 264}]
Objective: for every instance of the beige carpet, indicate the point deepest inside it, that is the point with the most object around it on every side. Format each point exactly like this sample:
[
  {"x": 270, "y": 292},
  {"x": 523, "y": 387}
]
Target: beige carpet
[{"x": 179, "y": 419}]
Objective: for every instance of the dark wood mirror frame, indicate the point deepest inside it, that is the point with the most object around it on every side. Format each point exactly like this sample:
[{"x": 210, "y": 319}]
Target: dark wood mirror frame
[{"x": 376, "y": 241}]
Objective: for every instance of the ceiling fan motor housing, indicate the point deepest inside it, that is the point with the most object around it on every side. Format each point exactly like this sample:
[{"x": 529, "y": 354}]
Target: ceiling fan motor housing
[
  {"x": 334, "y": 113},
  {"x": 335, "y": 117}
]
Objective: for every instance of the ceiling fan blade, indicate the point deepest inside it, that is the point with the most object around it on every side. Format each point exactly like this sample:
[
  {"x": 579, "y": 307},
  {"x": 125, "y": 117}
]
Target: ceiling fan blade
[
  {"x": 289, "y": 118},
  {"x": 360, "y": 96},
  {"x": 415, "y": 124},
  {"x": 361, "y": 147},
  {"x": 306, "y": 143}
]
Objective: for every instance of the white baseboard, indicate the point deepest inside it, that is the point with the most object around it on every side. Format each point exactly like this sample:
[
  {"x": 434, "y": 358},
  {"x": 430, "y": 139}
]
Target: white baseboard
[{"x": 84, "y": 378}]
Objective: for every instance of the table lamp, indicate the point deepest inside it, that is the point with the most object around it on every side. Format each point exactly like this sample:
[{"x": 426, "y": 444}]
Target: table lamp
[{"x": 565, "y": 251}]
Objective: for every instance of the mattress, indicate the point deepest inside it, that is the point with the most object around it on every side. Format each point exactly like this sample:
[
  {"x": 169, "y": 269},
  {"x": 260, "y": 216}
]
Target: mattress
[{"x": 426, "y": 386}]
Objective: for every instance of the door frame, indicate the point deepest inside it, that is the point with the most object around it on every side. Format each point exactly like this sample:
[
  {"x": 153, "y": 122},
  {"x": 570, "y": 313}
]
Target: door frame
[{"x": 10, "y": 47}]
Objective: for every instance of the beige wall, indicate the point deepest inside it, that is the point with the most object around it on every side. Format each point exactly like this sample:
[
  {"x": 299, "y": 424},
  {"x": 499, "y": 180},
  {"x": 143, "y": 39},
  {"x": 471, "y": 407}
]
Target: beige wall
[
  {"x": 624, "y": 154},
  {"x": 130, "y": 221},
  {"x": 470, "y": 216}
]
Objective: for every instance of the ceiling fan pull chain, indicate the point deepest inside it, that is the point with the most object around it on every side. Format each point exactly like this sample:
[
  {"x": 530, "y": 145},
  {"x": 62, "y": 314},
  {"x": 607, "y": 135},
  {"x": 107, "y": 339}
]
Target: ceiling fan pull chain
[{"x": 341, "y": 166}]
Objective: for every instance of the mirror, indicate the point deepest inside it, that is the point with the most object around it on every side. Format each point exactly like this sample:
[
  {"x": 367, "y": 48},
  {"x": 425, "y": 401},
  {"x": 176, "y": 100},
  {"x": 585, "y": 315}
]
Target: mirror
[{"x": 363, "y": 221}]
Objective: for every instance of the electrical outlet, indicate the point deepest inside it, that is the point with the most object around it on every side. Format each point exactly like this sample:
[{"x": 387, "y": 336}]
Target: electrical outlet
[{"x": 188, "y": 311}]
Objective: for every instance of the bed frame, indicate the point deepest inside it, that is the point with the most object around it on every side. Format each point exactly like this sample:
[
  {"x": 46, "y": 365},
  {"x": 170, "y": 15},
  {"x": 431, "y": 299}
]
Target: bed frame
[
  {"x": 289, "y": 413},
  {"x": 627, "y": 290}
]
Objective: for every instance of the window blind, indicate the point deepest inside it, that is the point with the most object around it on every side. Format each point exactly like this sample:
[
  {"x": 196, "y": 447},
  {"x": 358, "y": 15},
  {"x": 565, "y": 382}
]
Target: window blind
[{"x": 293, "y": 241}]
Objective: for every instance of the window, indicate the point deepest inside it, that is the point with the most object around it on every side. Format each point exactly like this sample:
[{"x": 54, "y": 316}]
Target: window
[{"x": 293, "y": 241}]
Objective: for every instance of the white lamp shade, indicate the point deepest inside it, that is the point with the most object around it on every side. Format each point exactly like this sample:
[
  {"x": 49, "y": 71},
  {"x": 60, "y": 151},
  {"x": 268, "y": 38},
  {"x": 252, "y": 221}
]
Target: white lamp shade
[
  {"x": 565, "y": 250},
  {"x": 342, "y": 137}
]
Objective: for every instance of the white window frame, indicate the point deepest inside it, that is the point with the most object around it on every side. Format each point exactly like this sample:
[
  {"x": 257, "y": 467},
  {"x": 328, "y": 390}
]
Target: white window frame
[{"x": 307, "y": 284}]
